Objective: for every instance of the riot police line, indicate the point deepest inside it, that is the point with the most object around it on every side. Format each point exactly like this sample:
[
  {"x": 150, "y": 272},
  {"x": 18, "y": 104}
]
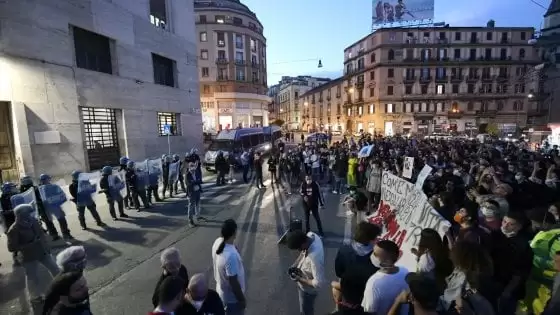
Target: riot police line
[{"x": 127, "y": 186}]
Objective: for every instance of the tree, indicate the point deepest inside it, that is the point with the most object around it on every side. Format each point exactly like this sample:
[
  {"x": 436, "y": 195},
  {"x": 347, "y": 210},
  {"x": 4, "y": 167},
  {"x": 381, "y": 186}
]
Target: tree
[
  {"x": 492, "y": 129},
  {"x": 278, "y": 122}
]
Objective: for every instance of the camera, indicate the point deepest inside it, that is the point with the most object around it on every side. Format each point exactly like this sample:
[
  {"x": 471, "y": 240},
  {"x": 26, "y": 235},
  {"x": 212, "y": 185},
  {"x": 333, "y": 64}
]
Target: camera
[{"x": 294, "y": 272}]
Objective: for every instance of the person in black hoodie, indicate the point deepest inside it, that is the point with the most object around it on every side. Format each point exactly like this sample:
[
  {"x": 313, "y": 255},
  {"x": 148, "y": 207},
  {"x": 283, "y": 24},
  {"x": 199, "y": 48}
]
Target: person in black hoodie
[
  {"x": 199, "y": 300},
  {"x": 312, "y": 199},
  {"x": 172, "y": 267},
  {"x": 68, "y": 294},
  {"x": 222, "y": 168}
]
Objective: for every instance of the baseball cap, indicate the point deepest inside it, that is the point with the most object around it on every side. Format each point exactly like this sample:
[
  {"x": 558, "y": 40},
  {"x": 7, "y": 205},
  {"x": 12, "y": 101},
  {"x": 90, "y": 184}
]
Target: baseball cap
[{"x": 423, "y": 289}]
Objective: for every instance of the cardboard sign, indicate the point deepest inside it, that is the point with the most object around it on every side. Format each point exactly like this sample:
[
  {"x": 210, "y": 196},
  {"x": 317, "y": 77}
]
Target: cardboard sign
[
  {"x": 403, "y": 212},
  {"x": 408, "y": 166}
]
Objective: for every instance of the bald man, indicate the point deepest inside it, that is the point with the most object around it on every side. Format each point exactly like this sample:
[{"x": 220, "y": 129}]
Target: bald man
[{"x": 199, "y": 299}]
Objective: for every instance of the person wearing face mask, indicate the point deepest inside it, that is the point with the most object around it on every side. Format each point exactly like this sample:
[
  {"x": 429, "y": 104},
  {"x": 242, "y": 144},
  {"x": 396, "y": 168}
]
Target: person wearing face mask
[
  {"x": 312, "y": 199},
  {"x": 27, "y": 238},
  {"x": 172, "y": 267},
  {"x": 469, "y": 227},
  {"x": 68, "y": 294},
  {"x": 194, "y": 191},
  {"x": 492, "y": 216},
  {"x": 513, "y": 274},
  {"x": 199, "y": 299},
  {"x": 384, "y": 286}
]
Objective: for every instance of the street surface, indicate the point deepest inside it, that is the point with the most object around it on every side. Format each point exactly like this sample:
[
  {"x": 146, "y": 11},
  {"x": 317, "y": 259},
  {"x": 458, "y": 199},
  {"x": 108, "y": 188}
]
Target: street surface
[{"x": 123, "y": 259}]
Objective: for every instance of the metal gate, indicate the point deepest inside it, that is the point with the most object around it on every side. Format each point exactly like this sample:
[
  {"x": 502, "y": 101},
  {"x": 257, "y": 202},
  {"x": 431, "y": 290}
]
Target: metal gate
[
  {"x": 8, "y": 166},
  {"x": 100, "y": 128}
]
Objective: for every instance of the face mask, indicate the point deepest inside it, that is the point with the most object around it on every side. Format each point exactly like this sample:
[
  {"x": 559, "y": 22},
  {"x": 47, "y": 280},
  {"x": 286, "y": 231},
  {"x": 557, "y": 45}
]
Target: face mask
[
  {"x": 308, "y": 182},
  {"x": 507, "y": 232},
  {"x": 457, "y": 173},
  {"x": 487, "y": 212},
  {"x": 375, "y": 261},
  {"x": 458, "y": 218},
  {"x": 197, "y": 304},
  {"x": 518, "y": 178}
]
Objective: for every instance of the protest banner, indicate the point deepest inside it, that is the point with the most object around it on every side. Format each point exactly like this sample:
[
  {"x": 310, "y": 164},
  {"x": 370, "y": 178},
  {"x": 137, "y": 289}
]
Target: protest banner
[
  {"x": 426, "y": 170},
  {"x": 403, "y": 212}
]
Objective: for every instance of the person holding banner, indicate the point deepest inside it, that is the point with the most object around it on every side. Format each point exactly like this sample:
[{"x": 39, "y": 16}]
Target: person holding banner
[
  {"x": 111, "y": 185},
  {"x": 26, "y": 183},
  {"x": 83, "y": 200}
]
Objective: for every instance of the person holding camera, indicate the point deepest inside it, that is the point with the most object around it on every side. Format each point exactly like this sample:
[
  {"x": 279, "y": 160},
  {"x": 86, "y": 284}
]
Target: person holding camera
[
  {"x": 308, "y": 271},
  {"x": 312, "y": 199}
]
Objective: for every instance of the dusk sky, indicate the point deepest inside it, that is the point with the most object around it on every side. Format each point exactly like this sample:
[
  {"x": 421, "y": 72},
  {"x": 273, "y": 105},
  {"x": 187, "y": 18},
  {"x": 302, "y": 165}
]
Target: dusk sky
[{"x": 299, "y": 30}]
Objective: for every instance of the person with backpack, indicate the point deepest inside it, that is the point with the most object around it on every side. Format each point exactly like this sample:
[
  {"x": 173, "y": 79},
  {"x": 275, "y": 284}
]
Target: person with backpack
[{"x": 355, "y": 255}]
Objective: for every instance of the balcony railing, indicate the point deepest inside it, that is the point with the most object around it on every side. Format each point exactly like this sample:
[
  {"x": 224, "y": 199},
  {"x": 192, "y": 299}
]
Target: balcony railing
[
  {"x": 221, "y": 61},
  {"x": 430, "y": 113},
  {"x": 454, "y": 114},
  {"x": 254, "y": 64},
  {"x": 457, "y": 78},
  {"x": 487, "y": 78},
  {"x": 473, "y": 78},
  {"x": 240, "y": 62},
  {"x": 410, "y": 79},
  {"x": 222, "y": 78},
  {"x": 426, "y": 79},
  {"x": 442, "y": 79}
]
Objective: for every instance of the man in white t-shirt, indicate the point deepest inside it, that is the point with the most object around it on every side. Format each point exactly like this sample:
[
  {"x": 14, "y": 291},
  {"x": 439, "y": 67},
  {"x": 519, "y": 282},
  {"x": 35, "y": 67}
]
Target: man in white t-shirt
[
  {"x": 229, "y": 273},
  {"x": 310, "y": 268},
  {"x": 387, "y": 283}
]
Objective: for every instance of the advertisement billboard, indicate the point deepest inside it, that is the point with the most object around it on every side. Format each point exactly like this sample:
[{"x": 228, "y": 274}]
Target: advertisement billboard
[{"x": 397, "y": 11}]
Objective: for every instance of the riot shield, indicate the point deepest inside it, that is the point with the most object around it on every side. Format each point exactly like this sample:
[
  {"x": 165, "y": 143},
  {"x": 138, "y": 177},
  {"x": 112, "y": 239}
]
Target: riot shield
[
  {"x": 116, "y": 187},
  {"x": 53, "y": 197},
  {"x": 141, "y": 170},
  {"x": 174, "y": 169},
  {"x": 155, "y": 169},
  {"x": 87, "y": 186},
  {"x": 26, "y": 197}
]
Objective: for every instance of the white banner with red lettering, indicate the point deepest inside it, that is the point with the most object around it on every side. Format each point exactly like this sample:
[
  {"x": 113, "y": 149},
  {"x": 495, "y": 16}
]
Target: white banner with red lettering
[{"x": 403, "y": 212}]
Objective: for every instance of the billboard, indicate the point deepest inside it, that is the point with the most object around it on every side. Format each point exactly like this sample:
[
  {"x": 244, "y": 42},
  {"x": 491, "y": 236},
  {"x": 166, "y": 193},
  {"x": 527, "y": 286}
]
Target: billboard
[{"x": 397, "y": 11}]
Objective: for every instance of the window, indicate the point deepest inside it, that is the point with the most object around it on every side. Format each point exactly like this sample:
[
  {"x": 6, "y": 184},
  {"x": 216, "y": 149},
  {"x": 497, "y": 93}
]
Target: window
[
  {"x": 202, "y": 18},
  {"x": 391, "y": 54},
  {"x": 239, "y": 57},
  {"x": 220, "y": 19},
  {"x": 240, "y": 74},
  {"x": 158, "y": 13},
  {"x": 500, "y": 105},
  {"x": 221, "y": 39},
  {"x": 424, "y": 89},
  {"x": 237, "y": 21},
  {"x": 472, "y": 54},
  {"x": 457, "y": 53},
  {"x": 164, "y": 70},
  {"x": 390, "y": 90},
  {"x": 221, "y": 54},
  {"x": 204, "y": 54},
  {"x": 170, "y": 119},
  {"x": 470, "y": 88},
  {"x": 518, "y": 105},
  {"x": 203, "y": 36},
  {"x": 440, "y": 89},
  {"x": 205, "y": 89},
  {"x": 360, "y": 110},
  {"x": 371, "y": 92},
  {"x": 488, "y": 53},
  {"x": 455, "y": 88},
  {"x": 391, "y": 73},
  {"x": 372, "y": 75},
  {"x": 205, "y": 71},
  {"x": 253, "y": 45},
  {"x": 93, "y": 51},
  {"x": 523, "y": 35},
  {"x": 489, "y": 36},
  {"x": 389, "y": 108},
  {"x": 408, "y": 108},
  {"x": 252, "y": 25},
  {"x": 238, "y": 41},
  {"x": 408, "y": 89},
  {"x": 372, "y": 57},
  {"x": 470, "y": 106},
  {"x": 457, "y": 35},
  {"x": 521, "y": 53},
  {"x": 503, "y": 54},
  {"x": 349, "y": 112}
]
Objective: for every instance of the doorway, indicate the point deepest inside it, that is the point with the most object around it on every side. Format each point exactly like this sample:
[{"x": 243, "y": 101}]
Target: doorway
[
  {"x": 8, "y": 165},
  {"x": 102, "y": 144}
]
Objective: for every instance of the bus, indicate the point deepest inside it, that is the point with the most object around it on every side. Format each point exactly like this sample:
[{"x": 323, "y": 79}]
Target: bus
[
  {"x": 235, "y": 141},
  {"x": 272, "y": 134}
]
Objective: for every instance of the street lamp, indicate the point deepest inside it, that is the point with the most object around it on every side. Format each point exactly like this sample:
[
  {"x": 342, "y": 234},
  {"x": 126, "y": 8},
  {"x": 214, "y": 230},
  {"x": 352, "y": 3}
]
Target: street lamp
[
  {"x": 351, "y": 90},
  {"x": 305, "y": 103}
]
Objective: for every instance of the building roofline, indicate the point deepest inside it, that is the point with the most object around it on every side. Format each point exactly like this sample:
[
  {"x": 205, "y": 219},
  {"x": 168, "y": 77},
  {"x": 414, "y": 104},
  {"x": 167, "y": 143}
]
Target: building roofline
[
  {"x": 324, "y": 86},
  {"x": 209, "y": 5},
  {"x": 450, "y": 28}
]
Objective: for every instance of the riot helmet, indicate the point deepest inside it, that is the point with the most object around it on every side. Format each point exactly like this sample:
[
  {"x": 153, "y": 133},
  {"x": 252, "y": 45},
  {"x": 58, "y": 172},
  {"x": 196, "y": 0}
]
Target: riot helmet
[
  {"x": 123, "y": 160},
  {"x": 107, "y": 170},
  {"x": 26, "y": 180},
  {"x": 44, "y": 179},
  {"x": 130, "y": 164},
  {"x": 9, "y": 188},
  {"x": 76, "y": 175}
]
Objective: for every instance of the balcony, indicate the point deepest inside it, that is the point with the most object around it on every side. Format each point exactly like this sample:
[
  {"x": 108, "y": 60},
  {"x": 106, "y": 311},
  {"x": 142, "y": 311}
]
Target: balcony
[
  {"x": 502, "y": 78},
  {"x": 454, "y": 114},
  {"x": 254, "y": 64},
  {"x": 240, "y": 79},
  {"x": 486, "y": 113},
  {"x": 473, "y": 78},
  {"x": 457, "y": 78},
  {"x": 427, "y": 79},
  {"x": 222, "y": 78},
  {"x": 347, "y": 103},
  {"x": 239, "y": 62},
  {"x": 410, "y": 79},
  {"x": 433, "y": 61},
  {"x": 222, "y": 61},
  {"x": 442, "y": 79},
  {"x": 487, "y": 78},
  {"x": 429, "y": 115}
]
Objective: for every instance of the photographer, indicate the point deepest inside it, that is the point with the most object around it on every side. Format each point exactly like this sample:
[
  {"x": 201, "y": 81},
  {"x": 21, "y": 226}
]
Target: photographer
[
  {"x": 309, "y": 268},
  {"x": 312, "y": 199}
]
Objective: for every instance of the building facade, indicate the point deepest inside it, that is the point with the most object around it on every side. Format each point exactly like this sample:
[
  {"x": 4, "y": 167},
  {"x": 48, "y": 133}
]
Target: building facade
[
  {"x": 322, "y": 107},
  {"x": 81, "y": 86},
  {"x": 290, "y": 110},
  {"x": 231, "y": 65},
  {"x": 438, "y": 79}
]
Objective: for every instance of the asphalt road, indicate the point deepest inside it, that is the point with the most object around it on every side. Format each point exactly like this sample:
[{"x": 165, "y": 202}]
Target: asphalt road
[{"x": 123, "y": 259}]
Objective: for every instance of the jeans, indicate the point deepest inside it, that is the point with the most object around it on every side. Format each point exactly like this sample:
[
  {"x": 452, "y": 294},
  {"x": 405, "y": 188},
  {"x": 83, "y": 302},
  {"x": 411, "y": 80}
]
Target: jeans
[
  {"x": 246, "y": 173},
  {"x": 234, "y": 309},
  {"x": 312, "y": 210},
  {"x": 35, "y": 281},
  {"x": 306, "y": 302},
  {"x": 194, "y": 205},
  {"x": 339, "y": 184},
  {"x": 315, "y": 173}
]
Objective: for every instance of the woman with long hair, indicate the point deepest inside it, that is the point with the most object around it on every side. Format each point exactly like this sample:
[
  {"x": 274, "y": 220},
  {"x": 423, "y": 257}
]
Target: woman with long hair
[
  {"x": 433, "y": 257},
  {"x": 68, "y": 294}
]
